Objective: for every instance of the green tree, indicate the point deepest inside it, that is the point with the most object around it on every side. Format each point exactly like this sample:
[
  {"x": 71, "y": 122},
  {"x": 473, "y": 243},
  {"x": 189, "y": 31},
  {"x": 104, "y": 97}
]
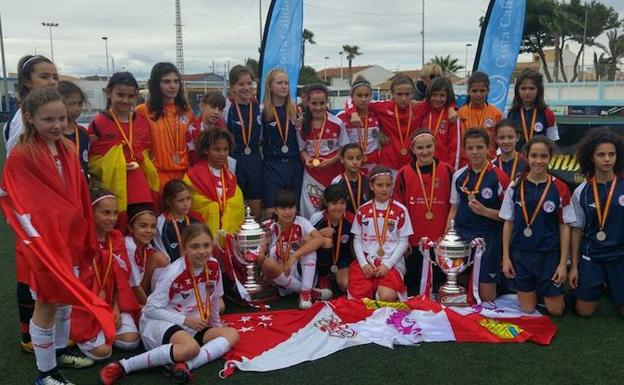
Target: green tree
[
  {"x": 306, "y": 37},
  {"x": 308, "y": 75},
  {"x": 253, "y": 66},
  {"x": 449, "y": 65},
  {"x": 536, "y": 35},
  {"x": 615, "y": 51},
  {"x": 352, "y": 51}
]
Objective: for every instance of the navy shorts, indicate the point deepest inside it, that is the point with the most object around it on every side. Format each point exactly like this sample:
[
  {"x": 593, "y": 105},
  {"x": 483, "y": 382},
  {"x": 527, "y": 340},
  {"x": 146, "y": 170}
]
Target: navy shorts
[
  {"x": 324, "y": 261},
  {"x": 249, "y": 175},
  {"x": 593, "y": 274},
  {"x": 492, "y": 257},
  {"x": 281, "y": 174},
  {"x": 534, "y": 271}
]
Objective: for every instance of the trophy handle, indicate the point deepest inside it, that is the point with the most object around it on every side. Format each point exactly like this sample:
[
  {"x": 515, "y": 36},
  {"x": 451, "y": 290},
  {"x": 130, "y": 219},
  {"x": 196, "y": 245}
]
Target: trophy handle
[{"x": 219, "y": 235}]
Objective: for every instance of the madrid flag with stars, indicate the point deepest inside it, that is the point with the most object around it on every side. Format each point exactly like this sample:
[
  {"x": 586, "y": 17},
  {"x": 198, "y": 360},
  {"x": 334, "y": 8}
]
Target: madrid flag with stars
[{"x": 278, "y": 339}]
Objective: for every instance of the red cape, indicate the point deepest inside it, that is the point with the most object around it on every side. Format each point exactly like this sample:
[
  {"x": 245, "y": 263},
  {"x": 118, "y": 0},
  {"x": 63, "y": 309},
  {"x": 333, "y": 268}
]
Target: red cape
[{"x": 201, "y": 176}]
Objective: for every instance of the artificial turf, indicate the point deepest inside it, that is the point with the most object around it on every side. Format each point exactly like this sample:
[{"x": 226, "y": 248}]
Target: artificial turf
[{"x": 584, "y": 351}]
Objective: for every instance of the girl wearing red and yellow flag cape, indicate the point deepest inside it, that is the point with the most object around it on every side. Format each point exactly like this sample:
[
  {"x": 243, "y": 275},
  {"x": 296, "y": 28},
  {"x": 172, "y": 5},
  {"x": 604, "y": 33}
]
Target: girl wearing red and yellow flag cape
[
  {"x": 56, "y": 237},
  {"x": 118, "y": 153},
  {"x": 216, "y": 195},
  {"x": 169, "y": 116},
  {"x": 108, "y": 277}
]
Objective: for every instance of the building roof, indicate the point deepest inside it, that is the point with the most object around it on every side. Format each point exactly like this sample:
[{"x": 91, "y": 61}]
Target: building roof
[
  {"x": 202, "y": 77},
  {"x": 335, "y": 72}
]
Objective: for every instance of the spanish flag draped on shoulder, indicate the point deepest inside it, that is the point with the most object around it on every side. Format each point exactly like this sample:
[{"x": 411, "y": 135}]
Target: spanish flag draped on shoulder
[{"x": 53, "y": 223}]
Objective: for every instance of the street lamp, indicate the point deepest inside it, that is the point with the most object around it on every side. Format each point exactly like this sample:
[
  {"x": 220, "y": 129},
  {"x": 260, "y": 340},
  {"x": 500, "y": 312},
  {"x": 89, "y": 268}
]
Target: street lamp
[
  {"x": 340, "y": 53},
  {"x": 466, "y": 69},
  {"x": 325, "y": 71},
  {"x": 50, "y": 25},
  {"x": 106, "y": 48}
]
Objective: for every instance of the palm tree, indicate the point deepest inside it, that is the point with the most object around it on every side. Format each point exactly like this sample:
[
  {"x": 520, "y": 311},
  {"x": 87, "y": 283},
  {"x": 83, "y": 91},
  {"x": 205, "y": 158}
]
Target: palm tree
[
  {"x": 615, "y": 50},
  {"x": 307, "y": 36},
  {"x": 449, "y": 65},
  {"x": 352, "y": 51}
]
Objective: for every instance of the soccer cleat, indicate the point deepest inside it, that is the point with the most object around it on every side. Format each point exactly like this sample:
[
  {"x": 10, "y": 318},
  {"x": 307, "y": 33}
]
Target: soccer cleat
[
  {"x": 74, "y": 361},
  {"x": 111, "y": 373},
  {"x": 322, "y": 294},
  {"x": 52, "y": 379},
  {"x": 27, "y": 347},
  {"x": 181, "y": 374},
  {"x": 305, "y": 300}
]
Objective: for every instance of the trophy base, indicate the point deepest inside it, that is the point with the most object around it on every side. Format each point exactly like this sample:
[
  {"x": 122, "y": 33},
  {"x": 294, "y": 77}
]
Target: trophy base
[{"x": 453, "y": 299}]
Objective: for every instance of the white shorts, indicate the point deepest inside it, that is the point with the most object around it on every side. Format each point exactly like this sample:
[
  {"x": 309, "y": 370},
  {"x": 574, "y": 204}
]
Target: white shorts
[
  {"x": 153, "y": 331},
  {"x": 127, "y": 326}
]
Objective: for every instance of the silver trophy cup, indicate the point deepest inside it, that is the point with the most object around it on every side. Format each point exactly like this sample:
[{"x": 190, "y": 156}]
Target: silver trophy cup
[
  {"x": 453, "y": 256},
  {"x": 250, "y": 241}
]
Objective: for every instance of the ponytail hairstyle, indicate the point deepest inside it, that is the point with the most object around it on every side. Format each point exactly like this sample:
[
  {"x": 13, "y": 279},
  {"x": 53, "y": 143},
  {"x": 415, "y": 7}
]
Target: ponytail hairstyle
[
  {"x": 290, "y": 107},
  {"x": 307, "y": 114},
  {"x": 360, "y": 81},
  {"x": 155, "y": 102}
]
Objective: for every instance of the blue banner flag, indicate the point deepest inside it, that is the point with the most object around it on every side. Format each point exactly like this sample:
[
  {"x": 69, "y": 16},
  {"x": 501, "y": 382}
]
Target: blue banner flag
[
  {"x": 499, "y": 45},
  {"x": 281, "y": 42}
]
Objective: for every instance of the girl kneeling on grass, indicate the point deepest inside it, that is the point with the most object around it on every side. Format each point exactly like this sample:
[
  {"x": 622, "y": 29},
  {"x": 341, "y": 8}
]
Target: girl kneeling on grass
[{"x": 180, "y": 325}]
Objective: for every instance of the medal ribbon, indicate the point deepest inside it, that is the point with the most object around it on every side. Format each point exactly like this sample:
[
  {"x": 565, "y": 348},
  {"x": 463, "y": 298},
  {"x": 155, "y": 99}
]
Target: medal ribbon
[
  {"x": 336, "y": 250},
  {"x": 221, "y": 199},
  {"x": 102, "y": 281},
  {"x": 174, "y": 140},
  {"x": 528, "y": 132},
  {"x": 174, "y": 223},
  {"x": 142, "y": 257},
  {"x": 428, "y": 202},
  {"x": 536, "y": 210},
  {"x": 514, "y": 166},
  {"x": 381, "y": 239},
  {"x": 127, "y": 139},
  {"x": 204, "y": 308},
  {"x": 480, "y": 121},
  {"x": 359, "y": 190},
  {"x": 437, "y": 126},
  {"x": 603, "y": 214},
  {"x": 317, "y": 145},
  {"x": 363, "y": 137},
  {"x": 398, "y": 123},
  {"x": 282, "y": 133},
  {"x": 246, "y": 132},
  {"x": 283, "y": 255},
  {"x": 77, "y": 139},
  {"x": 479, "y": 180}
]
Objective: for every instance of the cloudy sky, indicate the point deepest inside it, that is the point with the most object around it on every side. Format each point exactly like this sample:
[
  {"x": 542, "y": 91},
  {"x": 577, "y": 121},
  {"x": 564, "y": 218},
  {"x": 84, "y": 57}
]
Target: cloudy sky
[{"x": 142, "y": 32}]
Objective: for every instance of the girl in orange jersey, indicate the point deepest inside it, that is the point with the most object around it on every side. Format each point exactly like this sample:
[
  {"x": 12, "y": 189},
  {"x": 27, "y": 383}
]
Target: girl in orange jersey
[
  {"x": 169, "y": 116},
  {"x": 477, "y": 112}
]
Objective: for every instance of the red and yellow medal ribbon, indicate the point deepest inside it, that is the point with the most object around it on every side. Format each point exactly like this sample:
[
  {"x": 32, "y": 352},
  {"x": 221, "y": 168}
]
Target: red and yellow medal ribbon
[
  {"x": 381, "y": 239},
  {"x": 600, "y": 213},
  {"x": 480, "y": 121},
  {"x": 437, "y": 126},
  {"x": 336, "y": 249},
  {"x": 102, "y": 281},
  {"x": 477, "y": 186},
  {"x": 317, "y": 144},
  {"x": 174, "y": 139},
  {"x": 174, "y": 223},
  {"x": 281, "y": 253},
  {"x": 525, "y": 214},
  {"x": 514, "y": 165},
  {"x": 528, "y": 131},
  {"x": 428, "y": 201},
  {"x": 355, "y": 200},
  {"x": 202, "y": 307},
  {"x": 283, "y": 133},
  {"x": 363, "y": 137},
  {"x": 246, "y": 131},
  {"x": 127, "y": 139},
  {"x": 398, "y": 123}
]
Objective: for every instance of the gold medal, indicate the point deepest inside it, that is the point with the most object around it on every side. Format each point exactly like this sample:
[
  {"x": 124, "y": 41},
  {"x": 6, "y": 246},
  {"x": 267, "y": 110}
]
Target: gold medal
[
  {"x": 429, "y": 215},
  {"x": 132, "y": 165},
  {"x": 316, "y": 162},
  {"x": 380, "y": 252},
  {"x": 471, "y": 197},
  {"x": 601, "y": 236}
]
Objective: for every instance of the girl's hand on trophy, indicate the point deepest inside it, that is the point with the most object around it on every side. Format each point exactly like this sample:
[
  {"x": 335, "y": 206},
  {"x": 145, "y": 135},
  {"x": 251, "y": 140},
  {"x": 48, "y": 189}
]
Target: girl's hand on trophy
[
  {"x": 381, "y": 271},
  {"x": 573, "y": 277},
  {"x": 560, "y": 274},
  {"x": 194, "y": 323},
  {"x": 327, "y": 232},
  {"x": 508, "y": 269},
  {"x": 368, "y": 270}
]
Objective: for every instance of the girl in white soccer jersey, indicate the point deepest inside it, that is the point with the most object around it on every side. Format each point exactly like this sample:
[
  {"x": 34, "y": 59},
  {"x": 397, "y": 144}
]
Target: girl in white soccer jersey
[
  {"x": 294, "y": 242},
  {"x": 180, "y": 325},
  {"x": 382, "y": 228}
]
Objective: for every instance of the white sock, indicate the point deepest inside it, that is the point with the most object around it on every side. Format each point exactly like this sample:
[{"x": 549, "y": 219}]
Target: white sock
[
  {"x": 211, "y": 350},
  {"x": 62, "y": 325},
  {"x": 156, "y": 274},
  {"x": 126, "y": 345},
  {"x": 308, "y": 270},
  {"x": 288, "y": 282},
  {"x": 156, "y": 357},
  {"x": 43, "y": 345}
]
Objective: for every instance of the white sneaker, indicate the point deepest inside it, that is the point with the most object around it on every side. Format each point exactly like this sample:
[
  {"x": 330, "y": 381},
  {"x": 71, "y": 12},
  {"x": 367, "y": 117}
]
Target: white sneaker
[
  {"x": 305, "y": 300},
  {"x": 322, "y": 294}
]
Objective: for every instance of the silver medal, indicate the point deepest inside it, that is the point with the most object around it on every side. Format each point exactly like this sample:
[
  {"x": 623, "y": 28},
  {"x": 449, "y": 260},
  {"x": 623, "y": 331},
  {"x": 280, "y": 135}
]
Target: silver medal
[
  {"x": 333, "y": 269},
  {"x": 528, "y": 232},
  {"x": 247, "y": 151},
  {"x": 285, "y": 149}
]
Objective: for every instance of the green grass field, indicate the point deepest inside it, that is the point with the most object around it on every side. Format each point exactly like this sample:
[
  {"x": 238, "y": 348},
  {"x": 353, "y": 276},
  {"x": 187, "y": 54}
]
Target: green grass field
[{"x": 584, "y": 351}]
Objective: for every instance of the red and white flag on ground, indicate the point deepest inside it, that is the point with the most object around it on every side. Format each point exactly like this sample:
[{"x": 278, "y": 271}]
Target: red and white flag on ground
[{"x": 279, "y": 339}]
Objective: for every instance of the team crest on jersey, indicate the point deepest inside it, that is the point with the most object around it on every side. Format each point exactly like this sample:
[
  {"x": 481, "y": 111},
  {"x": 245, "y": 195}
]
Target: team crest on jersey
[
  {"x": 489, "y": 123},
  {"x": 487, "y": 193},
  {"x": 539, "y": 127},
  {"x": 549, "y": 206},
  {"x": 315, "y": 194},
  {"x": 391, "y": 225},
  {"x": 621, "y": 200},
  {"x": 330, "y": 144},
  {"x": 184, "y": 119},
  {"x": 344, "y": 238}
]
